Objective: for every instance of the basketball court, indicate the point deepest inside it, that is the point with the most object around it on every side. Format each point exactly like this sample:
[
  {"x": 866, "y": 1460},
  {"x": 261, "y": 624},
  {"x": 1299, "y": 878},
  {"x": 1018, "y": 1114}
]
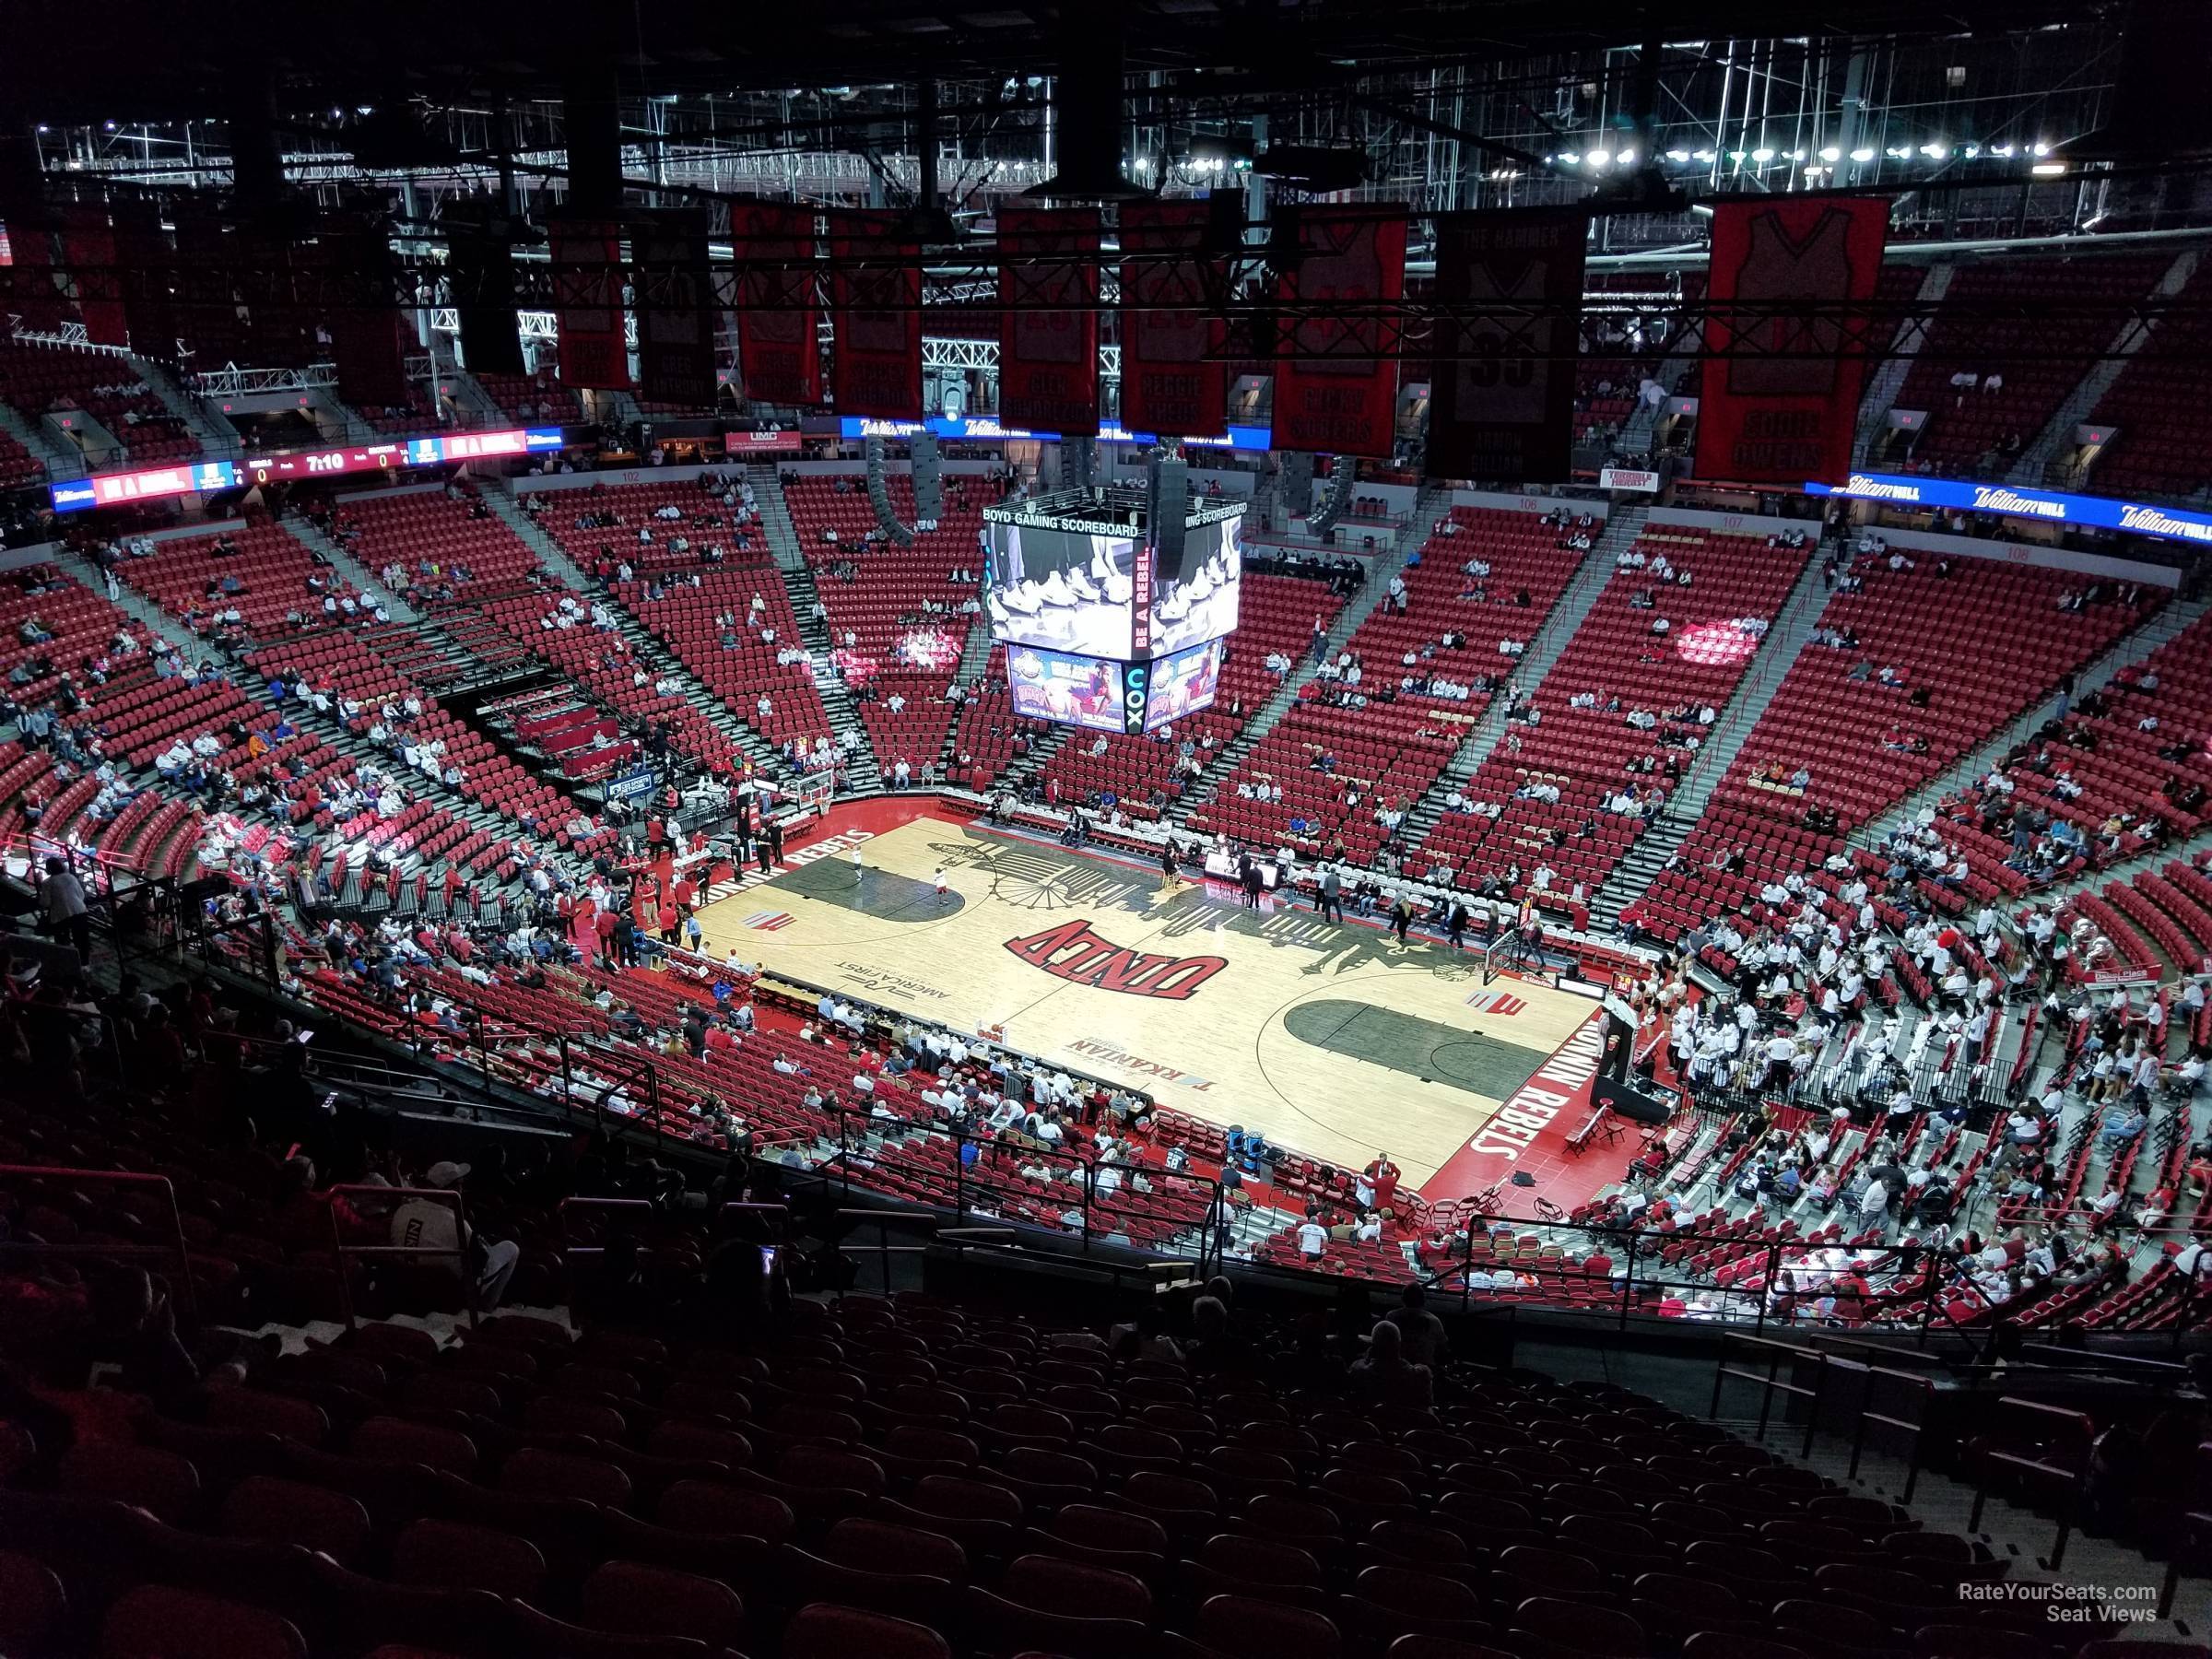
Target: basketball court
[{"x": 1330, "y": 1040}]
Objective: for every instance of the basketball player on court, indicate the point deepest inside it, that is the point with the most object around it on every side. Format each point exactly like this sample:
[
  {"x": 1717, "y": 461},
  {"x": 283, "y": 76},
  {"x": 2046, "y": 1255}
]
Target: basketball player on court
[{"x": 1170, "y": 877}]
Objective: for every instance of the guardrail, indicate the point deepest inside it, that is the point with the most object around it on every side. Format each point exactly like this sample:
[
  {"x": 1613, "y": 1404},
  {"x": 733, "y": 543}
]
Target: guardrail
[
  {"x": 12, "y": 1249},
  {"x": 457, "y": 1252}
]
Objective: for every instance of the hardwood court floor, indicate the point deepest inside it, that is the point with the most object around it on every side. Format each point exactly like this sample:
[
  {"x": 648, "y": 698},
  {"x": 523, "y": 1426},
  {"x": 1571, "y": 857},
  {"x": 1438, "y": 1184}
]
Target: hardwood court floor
[{"x": 1323, "y": 1038}]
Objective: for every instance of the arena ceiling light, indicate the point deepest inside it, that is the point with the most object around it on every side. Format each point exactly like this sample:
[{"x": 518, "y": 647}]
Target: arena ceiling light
[
  {"x": 2049, "y": 170},
  {"x": 1862, "y": 155},
  {"x": 1678, "y": 157},
  {"x": 1761, "y": 157},
  {"x": 1832, "y": 155},
  {"x": 1597, "y": 157},
  {"x": 1216, "y": 153}
]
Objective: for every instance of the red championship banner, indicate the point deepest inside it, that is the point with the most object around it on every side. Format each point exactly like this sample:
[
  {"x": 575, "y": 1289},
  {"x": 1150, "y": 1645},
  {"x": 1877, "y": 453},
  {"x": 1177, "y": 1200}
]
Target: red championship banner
[
  {"x": 363, "y": 320},
  {"x": 1785, "y": 337},
  {"x": 88, "y": 247},
  {"x": 1174, "y": 378},
  {"x": 779, "y": 356},
  {"x": 678, "y": 307},
  {"x": 1336, "y": 376},
  {"x": 27, "y": 282},
  {"x": 1508, "y": 300},
  {"x": 876, "y": 289},
  {"x": 143, "y": 254},
  {"x": 1048, "y": 319},
  {"x": 587, "y": 302}
]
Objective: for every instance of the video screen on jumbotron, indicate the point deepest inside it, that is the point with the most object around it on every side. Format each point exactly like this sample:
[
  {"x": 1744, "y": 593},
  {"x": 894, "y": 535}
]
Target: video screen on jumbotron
[
  {"x": 1182, "y": 684},
  {"x": 1062, "y": 590},
  {"x": 1070, "y": 690},
  {"x": 1076, "y": 592}
]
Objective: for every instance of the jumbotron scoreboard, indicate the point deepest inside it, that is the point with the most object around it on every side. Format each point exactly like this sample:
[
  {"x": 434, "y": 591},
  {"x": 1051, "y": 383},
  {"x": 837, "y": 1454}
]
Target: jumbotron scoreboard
[{"x": 1108, "y": 624}]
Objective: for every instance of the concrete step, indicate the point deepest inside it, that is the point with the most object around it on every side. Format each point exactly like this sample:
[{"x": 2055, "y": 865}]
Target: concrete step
[
  {"x": 1889, "y": 379},
  {"x": 352, "y": 568},
  {"x": 207, "y": 423},
  {"x": 2057, "y": 437},
  {"x": 2170, "y": 620},
  {"x": 649, "y": 649},
  {"x": 1429, "y": 507},
  {"x": 1567, "y": 614},
  {"x": 61, "y": 460}
]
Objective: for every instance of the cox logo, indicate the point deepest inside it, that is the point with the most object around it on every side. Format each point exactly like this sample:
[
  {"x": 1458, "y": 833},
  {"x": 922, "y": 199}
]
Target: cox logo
[{"x": 1133, "y": 697}]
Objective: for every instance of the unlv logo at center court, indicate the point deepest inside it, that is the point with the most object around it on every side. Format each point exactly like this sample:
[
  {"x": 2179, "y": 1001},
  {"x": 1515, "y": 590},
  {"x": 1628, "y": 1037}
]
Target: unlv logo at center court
[{"x": 1074, "y": 952}]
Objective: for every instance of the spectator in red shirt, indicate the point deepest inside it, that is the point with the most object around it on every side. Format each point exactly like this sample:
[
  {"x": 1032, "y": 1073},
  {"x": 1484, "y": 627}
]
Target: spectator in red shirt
[
  {"x": 1382, "y": 1176},
  {"x": 300, "y": 1216}
]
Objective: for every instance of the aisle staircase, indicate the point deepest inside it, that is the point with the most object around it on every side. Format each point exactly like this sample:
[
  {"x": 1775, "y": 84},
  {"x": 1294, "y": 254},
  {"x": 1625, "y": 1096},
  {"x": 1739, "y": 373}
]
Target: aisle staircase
[
  {"x": 210, "y": 427},
  {"x": 1429, "y": 508},
  {"x": 863, "y": 770},
  {"x": 1889, "y": 377},
  {"x": 1568, "y": 613},
  {"x": 2057, "y": 436},
  {"x": 650, "y": 651},
  {"x": 1670, "y": 372},
  {"x": 350, "y": 568},
  {"x": 2132, "y": 648},
  {"x": 61, "y": 460},
  {"x": 1799, "y": 616}
]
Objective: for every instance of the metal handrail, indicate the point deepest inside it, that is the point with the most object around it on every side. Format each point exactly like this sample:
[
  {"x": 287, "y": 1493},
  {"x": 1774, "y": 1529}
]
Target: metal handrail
[
  {"x": 183, "y": 1253},
  {"x": 458, "y": 1253}
]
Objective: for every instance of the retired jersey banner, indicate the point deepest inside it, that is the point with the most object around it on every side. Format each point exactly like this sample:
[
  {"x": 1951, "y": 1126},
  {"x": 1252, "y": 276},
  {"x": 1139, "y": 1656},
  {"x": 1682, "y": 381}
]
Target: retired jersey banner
[
  {"x": 779, "y": 355},
  {"x": 678, "y": 307},
  {"x": 1174, "y": 378},
  {"x": 1509, "y": 301},
  {"x": 88, "y": 245},
  {"x": 1785, "y": 337},
  {"x": 587, "y": 302},
  {"x": 1336, "y": 376},
  {"x": 1047, "y": 327},
  {"x": 876, "y": 289}
]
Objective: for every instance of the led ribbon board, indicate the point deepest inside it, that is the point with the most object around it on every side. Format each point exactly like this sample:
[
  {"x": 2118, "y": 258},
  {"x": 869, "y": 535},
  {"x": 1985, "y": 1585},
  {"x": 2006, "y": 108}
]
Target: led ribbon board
[{"x": 204, "y": 478}]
